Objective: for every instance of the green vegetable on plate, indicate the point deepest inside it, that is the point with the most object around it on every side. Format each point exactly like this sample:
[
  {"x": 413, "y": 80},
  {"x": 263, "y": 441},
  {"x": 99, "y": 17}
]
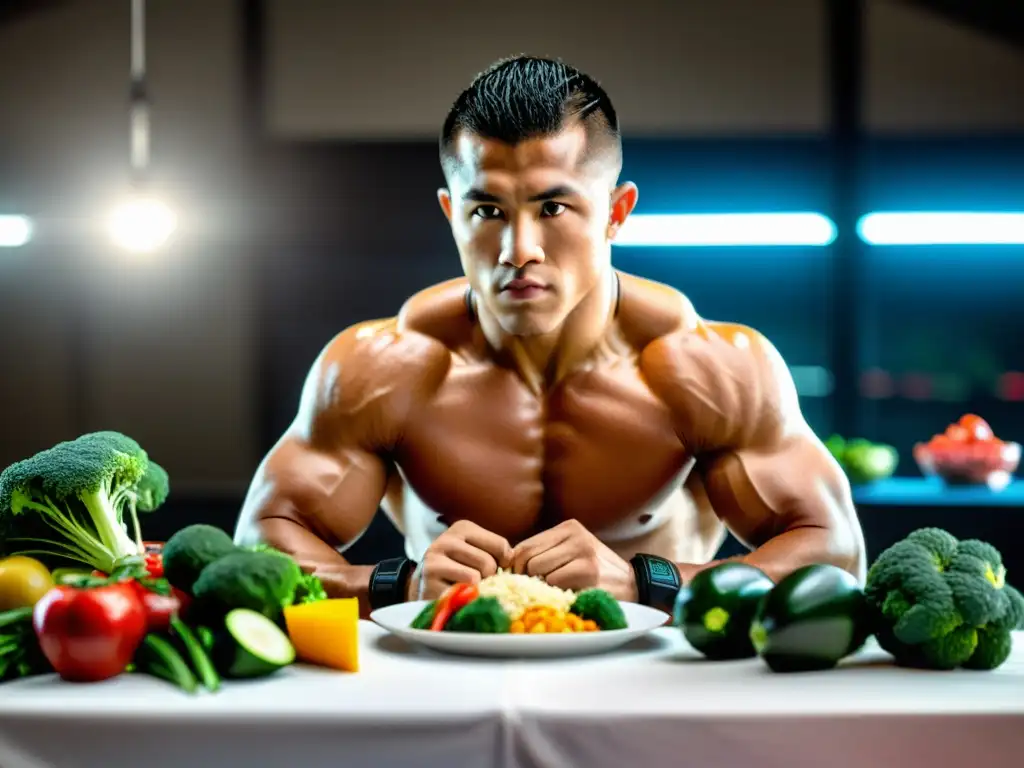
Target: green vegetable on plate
[
  {"x": 425, "y": 617},
  {"x": 483, "y": 615},
  {"x": 716, "y": 609},
  {"x": 601, "y": 608},
  {"x": 941, "y": 603}
]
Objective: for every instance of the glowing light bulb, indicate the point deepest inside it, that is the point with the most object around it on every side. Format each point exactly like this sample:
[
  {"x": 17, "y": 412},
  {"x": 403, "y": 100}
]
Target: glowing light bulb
[{"x": 142, "y": 225}]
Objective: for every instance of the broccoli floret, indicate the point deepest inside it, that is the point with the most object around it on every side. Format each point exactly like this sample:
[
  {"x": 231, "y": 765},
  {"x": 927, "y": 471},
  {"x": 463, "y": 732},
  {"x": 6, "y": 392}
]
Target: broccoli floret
[
  {"x": 601, "y": 608},
  {"x": 69, "y": 502},
  {"x": 310, "y": 589},
  {"x": 260, "y": 581},
  {"x": 993, "y": 648},
  {"x": 153, "y": 489},
  {"x": 190, "y": 550},
  {"x": 483, "y": 616},
  {"x": 941, "y": 603}
]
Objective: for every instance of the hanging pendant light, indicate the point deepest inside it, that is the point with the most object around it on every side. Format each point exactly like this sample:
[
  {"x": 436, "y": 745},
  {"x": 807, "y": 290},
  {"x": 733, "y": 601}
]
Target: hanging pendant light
[{"x": 141, "y": 223}]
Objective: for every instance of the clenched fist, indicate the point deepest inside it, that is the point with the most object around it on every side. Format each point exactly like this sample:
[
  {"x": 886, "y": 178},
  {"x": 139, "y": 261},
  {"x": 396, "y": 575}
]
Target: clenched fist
[{"x": 465, "y": 553}]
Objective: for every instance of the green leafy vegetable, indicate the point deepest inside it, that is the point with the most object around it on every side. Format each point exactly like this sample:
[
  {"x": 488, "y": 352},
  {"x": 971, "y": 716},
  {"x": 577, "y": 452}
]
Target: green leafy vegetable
[{"x": 20, "y": 655}]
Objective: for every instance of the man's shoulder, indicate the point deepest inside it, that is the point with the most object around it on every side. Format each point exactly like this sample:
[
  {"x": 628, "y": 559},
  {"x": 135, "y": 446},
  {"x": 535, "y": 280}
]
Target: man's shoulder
[
  {"x": 658, "y": 318},
  {"x": 419, "y": 337}
]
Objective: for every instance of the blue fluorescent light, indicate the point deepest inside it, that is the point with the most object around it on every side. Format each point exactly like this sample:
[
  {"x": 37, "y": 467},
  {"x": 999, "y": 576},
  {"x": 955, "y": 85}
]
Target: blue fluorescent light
[
  {"x": 942, "y": 228},
  {"x": 15, "y": 231},
  {"x": 727, "y": 229}
]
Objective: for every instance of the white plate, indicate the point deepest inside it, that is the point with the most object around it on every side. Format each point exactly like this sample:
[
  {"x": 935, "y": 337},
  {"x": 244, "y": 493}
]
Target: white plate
[{"x": 639, "y": 618}]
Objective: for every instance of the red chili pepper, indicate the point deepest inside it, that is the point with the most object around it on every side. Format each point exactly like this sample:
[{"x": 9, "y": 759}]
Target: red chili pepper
[
  {"x": 90, "y": 635},
  {"x": 454, "y": 599}
]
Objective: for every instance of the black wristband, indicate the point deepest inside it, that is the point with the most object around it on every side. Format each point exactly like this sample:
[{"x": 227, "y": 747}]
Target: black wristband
[
  {"x": 389, "y": 582},
  {"x": 657, "y": 581}
]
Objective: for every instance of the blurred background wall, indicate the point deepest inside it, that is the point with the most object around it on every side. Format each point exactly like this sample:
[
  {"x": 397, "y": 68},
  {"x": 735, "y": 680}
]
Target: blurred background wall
[{"x": 296, "y": 139}]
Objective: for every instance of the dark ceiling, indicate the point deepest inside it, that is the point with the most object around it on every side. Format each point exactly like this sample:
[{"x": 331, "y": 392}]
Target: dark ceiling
[{"x": 1000, "y": 19}]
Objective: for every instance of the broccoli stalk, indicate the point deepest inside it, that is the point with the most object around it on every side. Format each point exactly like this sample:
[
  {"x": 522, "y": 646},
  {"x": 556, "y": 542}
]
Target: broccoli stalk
[
  {"x": 942, "y": 603},
  {"x": 70, "y": 501}
]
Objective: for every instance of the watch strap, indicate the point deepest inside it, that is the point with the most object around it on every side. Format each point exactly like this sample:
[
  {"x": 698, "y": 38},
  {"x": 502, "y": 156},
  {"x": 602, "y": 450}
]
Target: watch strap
[
  {"x": 657, "y": 581},
  {"x": 389, "y": 582}
]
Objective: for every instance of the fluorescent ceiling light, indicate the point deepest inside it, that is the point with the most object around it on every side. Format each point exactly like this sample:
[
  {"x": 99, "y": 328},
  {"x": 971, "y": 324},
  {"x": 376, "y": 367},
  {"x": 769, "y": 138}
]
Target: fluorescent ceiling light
[
  {"x": 942, "y": 228},
  {"x": 15, "y": 231},
  {"x": 727, "y": 229}
]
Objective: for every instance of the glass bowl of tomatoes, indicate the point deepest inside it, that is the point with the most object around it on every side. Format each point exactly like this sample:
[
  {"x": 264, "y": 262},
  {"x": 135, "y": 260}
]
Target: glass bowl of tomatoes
[{"x": 969, "y": 453}]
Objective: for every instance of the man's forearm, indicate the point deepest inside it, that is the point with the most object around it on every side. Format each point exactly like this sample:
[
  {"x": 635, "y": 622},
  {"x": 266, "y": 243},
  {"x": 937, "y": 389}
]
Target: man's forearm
[
  {"x": 792, "y": 549},
  {"x": 340, "y": 578}
]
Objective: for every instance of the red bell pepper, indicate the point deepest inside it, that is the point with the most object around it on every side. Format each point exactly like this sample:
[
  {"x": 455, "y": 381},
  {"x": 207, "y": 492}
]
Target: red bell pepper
[
  {"x": 89, "y": 635},
  {"x": 454, "y": 599}
]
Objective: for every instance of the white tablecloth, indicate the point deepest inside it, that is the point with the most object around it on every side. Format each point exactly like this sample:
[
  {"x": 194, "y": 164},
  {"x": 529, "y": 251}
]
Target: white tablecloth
[{"x": 655, "y": 702}]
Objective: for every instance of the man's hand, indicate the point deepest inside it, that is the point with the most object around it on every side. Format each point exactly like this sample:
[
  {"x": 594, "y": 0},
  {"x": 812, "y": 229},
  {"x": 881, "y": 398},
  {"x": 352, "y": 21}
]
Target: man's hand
[
  {"x": 465, "y": 553},
  {"x": 569, "y": 556}
]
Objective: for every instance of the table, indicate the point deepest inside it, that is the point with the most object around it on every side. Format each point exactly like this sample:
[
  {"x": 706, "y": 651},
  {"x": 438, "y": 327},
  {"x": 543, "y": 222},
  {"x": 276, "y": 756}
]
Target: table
[{"x": 655, "y": 702}]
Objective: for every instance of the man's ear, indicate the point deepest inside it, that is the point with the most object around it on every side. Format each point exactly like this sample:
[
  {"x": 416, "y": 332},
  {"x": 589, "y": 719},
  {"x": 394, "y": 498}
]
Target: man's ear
[
  {"x": 445, "y": 199},
  {"x": 624, "y": 199}
]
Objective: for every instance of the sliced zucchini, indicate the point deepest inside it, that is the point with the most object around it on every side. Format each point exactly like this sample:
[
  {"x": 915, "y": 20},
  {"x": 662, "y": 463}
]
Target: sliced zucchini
[{"x": 251, "y": 645}]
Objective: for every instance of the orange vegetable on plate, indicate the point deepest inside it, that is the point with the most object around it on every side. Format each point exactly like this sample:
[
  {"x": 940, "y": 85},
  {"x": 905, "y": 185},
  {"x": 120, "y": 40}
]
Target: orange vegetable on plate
[{"x": 326, "y": 632}]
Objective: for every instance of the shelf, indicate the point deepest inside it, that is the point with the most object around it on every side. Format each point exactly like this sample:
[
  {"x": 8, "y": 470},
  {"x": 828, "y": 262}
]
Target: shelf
[{"x": 931, "y": 492}]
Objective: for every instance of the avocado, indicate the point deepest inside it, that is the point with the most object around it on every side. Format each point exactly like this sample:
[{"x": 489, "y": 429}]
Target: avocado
[{"x": 716, "y": 608}]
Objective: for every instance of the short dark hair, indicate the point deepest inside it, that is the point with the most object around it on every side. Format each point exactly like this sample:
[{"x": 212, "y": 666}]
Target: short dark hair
[{"x": 526, "y": 97}]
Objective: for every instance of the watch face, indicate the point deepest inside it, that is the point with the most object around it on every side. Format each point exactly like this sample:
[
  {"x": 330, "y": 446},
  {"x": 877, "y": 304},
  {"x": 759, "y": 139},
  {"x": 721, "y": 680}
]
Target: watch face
[{"x": 662, "y": 571}]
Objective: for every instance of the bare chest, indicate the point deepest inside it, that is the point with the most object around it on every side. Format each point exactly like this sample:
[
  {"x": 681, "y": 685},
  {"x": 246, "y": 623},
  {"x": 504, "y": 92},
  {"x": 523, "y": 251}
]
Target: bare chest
[{"x": 600, "y": 448}]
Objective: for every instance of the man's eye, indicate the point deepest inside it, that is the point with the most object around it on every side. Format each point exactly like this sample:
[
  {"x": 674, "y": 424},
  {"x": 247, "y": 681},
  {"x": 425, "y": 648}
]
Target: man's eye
[
  {"x": 551, "y": 208},
  {"x": 487, "y": 212}
]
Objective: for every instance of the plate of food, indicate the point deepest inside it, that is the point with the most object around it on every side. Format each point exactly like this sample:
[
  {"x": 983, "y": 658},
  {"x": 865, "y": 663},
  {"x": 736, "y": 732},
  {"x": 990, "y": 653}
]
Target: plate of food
[{"x": 513, "y": 615}]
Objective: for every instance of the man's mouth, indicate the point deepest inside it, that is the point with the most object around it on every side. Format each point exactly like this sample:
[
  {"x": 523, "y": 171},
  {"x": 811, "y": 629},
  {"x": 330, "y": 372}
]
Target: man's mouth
[
  {"x": 523, "y": 288},
  {"x": 521, "y": 284}
]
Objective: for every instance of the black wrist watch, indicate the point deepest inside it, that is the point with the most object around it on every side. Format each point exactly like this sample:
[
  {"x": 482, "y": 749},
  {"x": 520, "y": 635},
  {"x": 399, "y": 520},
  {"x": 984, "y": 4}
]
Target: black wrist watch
[
  {"x": 389, "y": 582},
  {"x": 657, "y": 582}
]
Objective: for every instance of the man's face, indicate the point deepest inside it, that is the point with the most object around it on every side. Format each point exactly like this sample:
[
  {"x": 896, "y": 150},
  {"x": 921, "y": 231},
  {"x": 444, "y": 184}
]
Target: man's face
[{"x": 533, "y": 224}]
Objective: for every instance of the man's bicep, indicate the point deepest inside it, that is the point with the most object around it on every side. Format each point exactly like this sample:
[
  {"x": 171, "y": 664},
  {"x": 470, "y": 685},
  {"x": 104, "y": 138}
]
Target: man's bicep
[
  {"x": 767, "y": 475},
  {"x": 319, "y": 487},
  {"x": 761, "y": 492},
  {"x": 310, "y": 502}
]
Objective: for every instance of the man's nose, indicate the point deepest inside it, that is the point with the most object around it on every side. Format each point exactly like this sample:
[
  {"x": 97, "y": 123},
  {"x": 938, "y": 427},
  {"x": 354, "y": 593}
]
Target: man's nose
[{"x": 521, "y": 245}]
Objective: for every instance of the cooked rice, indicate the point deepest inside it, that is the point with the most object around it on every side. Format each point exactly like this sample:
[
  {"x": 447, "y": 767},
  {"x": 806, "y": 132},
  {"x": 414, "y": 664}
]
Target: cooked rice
[{"x": 517, "y": 592}]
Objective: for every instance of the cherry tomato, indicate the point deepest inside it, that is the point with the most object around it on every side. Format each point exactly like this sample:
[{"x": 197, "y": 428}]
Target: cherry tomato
[
  {"x": 159, "y": 608},
  {"x": 155, "y": 564},
  {"x": 957, "y": 433},
  {"x": 976, "y": 428}
]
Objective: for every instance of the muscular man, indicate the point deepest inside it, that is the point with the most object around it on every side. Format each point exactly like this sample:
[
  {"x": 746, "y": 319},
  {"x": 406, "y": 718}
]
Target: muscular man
[{"x": 547, "y": 413}]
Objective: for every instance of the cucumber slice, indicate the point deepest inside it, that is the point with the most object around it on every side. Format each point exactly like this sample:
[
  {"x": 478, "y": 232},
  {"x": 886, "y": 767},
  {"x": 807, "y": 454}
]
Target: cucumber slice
[{"x": 251, "y": 645}]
